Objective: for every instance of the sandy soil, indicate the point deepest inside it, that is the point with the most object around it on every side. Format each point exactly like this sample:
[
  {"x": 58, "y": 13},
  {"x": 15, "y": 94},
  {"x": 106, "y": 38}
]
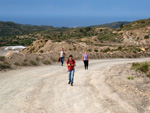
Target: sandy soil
[{"x": 104, "y": 88}]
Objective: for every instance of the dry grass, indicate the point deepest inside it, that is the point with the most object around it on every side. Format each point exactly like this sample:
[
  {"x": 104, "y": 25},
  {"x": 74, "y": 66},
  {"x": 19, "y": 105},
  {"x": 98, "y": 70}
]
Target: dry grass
[
  {"x": 33, "y": 63},
  {"x": 4, "y": 65},
  {"x": 143, "y": 67},
  {"x": 46, "y": 62},
  {"x": 2, "y": 58}
]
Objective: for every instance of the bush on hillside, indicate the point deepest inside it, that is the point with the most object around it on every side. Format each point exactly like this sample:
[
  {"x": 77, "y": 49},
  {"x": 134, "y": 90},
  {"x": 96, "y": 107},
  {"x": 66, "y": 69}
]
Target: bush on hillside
[
  {"x": 4, "y": 65},
  {"x": 33, "y": 63},
  {"x": 2, "y": 58},
  {"x": 146, "y": 37}
]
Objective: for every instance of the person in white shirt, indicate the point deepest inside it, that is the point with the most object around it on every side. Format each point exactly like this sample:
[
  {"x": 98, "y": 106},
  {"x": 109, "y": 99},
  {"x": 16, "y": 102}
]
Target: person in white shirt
[{"x": 62, "y": 56}]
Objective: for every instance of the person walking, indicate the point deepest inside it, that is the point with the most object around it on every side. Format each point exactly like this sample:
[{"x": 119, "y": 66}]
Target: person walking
[
  {"x": 62, "y": 56},
  {"x": 85, "y": 59},
  {"x": 71, "y": 70}
]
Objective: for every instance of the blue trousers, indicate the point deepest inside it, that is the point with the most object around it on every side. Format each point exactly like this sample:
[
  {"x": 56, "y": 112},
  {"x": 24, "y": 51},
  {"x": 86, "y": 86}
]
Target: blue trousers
[
  {"x": 71, "y": 75},
  {"x": 62, "y": 60}
]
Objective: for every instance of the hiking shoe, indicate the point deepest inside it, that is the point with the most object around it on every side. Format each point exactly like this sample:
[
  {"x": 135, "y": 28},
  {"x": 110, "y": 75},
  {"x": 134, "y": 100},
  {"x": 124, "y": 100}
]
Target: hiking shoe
[{"x": 69, "y": 82}]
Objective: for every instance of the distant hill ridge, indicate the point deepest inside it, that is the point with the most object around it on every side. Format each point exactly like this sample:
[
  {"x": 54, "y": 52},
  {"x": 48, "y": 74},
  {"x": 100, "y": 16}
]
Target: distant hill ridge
[
  {"x": 136, "y": 24},
  {"x": 11, "y": 28},
  {"x": 112, "y": 25}
]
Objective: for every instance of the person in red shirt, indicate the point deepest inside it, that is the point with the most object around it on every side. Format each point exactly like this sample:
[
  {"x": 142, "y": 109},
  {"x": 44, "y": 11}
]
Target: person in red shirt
[{"x": 71, "y": 64}]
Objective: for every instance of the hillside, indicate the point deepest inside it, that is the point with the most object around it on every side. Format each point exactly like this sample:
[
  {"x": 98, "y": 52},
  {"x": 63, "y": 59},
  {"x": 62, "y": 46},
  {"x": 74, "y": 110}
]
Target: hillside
[
  {"x": 11, "y": 28},
  {"x": 12, "y": 34},
  {"x": 136, "y": 32},
  {"x": 136, "y": 24},
  {"x": 112, "y": 25}
]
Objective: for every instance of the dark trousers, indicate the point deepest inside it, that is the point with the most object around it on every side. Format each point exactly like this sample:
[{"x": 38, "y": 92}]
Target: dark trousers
[
  {"x": 62, "y": 60},
  {"x": 86, "y": 63}
]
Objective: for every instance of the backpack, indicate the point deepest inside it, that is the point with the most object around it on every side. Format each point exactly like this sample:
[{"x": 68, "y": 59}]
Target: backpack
[
  {"x": 73, "y": 61},
  {"x": 63, "y": 53}
]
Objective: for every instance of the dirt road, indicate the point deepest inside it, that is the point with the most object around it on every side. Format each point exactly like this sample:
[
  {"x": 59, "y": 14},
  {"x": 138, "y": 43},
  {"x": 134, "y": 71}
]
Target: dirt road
[{"x": 44, "y": 89}]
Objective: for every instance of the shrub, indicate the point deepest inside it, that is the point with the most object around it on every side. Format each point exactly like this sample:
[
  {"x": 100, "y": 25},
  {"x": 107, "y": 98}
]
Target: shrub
[
  {"x": 4, "y": 65},
  {"x": 2, "y": 58},
  {"x": 89, "y": 50},
  {"x": 46, "y": 62},
  {"x": 88, "y": 29},
  {"x": 121, "y": 26},
  {"x": 25, "y": 64},
  {"x": 96, "y": 50},
  {"x": 134, "y": 65},
  {"x": 139, "y": 50},
  {"x": 101, "y": 30},
  {"x": 41, "y": 51},
  {"x": 146, "y": 37},
  {"x": 17, "y": 63},
  {"x": 119, "y": 48},
  {"x": 33, "y": 63},
  {"x": 37, "y": 59},
  {"x": 81, "y": 30},
  {"x": 130, "y": 78},
  {"x": 134, "y": 51},
  {"x": 25, "y": 60},
  {"x": 53, "y": 59},
  {"x": 148, "y": 74},
  {"x": 106, "y": 50},
  {"x": 143, "y": 67}
]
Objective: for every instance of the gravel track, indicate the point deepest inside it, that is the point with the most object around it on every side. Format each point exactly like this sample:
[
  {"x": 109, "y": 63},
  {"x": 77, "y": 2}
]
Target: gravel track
[{"x": 44, "y": 89}]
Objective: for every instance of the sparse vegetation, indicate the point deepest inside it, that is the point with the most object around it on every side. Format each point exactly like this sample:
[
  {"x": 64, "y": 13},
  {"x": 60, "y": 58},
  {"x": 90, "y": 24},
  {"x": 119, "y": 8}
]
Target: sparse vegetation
[
  {"x": 143, "y": 67},
  {"x": 106, "y": 50},
  {"x": 17, "y": 63},
  {"x": 4, "y": 65},
  {"x": 24, "y": 64},
  {"x": 96, "y": 50},
  {"x": 53, "y": 59},
  {"x": 2, "y": 58},
  {"x": 37, "y": 59},
  {"x": 146, "y": 37},
  {"x": 46, "y": 62},
  {"x": 89, "y": 50},
  {"x": 109, "y": 36},
  {"x": 12, "y": 29},
  {"x": 41, "y": 51},
  {"x": 137, "y": 24},
  {"x": 134, "y": 51},
  {"x": 33, "y": 63},
  {"x": 119, "y": 48},
  {"x": 130, "y": 78}
]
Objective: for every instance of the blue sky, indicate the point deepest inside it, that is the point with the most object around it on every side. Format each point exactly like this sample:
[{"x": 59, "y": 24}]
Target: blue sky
[{"x": 73, "y": 12}]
